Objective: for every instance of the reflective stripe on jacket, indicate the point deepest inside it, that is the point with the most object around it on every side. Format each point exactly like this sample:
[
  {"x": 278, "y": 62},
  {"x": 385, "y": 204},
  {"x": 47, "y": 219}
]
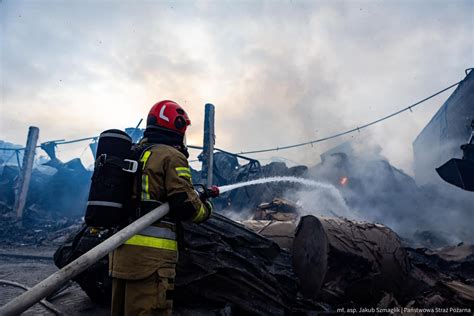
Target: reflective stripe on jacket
[{"x": 165, "y": 172}]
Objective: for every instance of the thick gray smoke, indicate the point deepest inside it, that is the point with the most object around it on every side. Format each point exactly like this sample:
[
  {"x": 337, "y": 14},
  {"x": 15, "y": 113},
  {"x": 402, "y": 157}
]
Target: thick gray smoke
[
  {"x": 323, "y": 201},
  {"x": 279, "y": 72},
  {"x": 376, "y": 191}
]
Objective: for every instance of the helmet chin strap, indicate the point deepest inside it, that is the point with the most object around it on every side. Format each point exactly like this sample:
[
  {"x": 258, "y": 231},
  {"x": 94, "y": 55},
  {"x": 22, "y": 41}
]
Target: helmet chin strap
[
  {"x": 154, "y": 127},
  {"x": 158, "y": 135}
]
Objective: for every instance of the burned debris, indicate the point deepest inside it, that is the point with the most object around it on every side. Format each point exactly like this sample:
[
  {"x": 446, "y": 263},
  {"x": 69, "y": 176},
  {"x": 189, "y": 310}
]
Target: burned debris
[
  {"x": 320, "y": 264},
  {"x": 246, "y": 272},
  {"x": 54, "y": 205}
]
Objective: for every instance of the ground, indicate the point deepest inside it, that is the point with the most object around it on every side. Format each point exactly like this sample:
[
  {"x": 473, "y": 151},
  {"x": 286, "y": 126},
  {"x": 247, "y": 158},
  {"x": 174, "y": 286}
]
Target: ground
[{"x": 29, "y": 265}]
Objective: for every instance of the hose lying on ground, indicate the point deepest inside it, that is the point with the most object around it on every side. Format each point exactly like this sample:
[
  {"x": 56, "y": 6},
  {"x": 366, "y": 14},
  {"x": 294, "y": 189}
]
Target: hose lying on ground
[{"x": 43, "y": 302}]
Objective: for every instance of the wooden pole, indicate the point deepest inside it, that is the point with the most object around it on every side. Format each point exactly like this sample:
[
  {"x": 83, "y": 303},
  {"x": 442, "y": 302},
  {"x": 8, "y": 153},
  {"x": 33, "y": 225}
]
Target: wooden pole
[
  {"x": 26, "y": 170},
  {"x": 209, "y": 141}
]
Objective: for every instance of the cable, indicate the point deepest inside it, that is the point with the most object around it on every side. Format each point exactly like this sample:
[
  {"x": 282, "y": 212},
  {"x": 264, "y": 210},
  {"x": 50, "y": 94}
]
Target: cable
[
  {"x": 410, "y": 107},
  {"x": 6, "y": 161},
  {"x": 223, "y": 151},
  {"x": 57, "y": 143},
  {"x": 357, "y": 129},
  {"x": 9, "y": 149},
  {"x": 75, "y": 140},
  {"x": 83, "y": 151}
]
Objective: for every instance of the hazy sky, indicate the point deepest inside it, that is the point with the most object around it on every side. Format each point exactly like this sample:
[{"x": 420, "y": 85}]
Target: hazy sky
[{"x": 279, "y": 72}]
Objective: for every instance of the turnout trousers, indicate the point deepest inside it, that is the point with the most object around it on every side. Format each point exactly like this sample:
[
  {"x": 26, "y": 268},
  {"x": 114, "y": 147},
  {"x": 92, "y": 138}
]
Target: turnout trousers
[
  {"x": 151, "y": 295},
  {"x": 142, "y": 277}
]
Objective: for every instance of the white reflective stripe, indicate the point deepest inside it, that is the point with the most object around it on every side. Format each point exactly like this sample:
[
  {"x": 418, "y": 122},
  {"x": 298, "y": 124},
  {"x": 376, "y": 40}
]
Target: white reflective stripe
[
  {"x": 104, "y": 203},
  {"x": 151, "y": 200},
  {"x": 159, "y": 232},
  {"x": 162, "y": 114},
  {"x": 116, "y": 136},
  {"x": 167, "y": 222}
]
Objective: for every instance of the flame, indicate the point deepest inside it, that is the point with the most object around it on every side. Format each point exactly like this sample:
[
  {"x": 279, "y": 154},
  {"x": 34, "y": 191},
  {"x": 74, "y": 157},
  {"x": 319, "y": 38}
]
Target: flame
[{"x": 344, "y": 181}]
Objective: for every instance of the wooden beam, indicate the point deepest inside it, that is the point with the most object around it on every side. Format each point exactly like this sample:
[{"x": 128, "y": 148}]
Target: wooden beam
[
  {"x": 209, "y": 142},
  {"x": 26, "y": 170}
]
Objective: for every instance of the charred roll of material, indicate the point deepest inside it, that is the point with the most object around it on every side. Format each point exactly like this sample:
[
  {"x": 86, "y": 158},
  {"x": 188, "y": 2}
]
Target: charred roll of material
[
  {"x": 112, "y": 181},
  {"x": 308, "y": 244},
  {"x": 339, "y": 260},
  {"x": 365, "y": 261}
]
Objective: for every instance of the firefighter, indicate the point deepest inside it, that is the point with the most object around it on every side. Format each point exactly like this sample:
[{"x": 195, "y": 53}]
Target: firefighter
[{"x": 143, "y": 269}]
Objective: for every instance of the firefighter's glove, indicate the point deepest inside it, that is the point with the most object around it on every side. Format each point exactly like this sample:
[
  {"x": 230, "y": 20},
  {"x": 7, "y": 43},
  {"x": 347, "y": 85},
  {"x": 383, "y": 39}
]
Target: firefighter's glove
[{"x": 204, "y": 212}]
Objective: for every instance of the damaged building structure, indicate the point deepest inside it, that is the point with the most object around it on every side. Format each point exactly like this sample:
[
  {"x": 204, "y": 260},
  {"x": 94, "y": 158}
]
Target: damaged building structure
[
  {"x": 369, "y": 237},
  {"x": 442, "y": 137}
]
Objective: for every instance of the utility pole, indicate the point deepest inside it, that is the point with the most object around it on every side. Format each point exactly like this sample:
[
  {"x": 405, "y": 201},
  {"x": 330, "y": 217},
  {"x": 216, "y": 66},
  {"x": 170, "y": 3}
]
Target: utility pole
[
  {"x": 209, "y": 141},
  {"x": 25, "y": 173}
]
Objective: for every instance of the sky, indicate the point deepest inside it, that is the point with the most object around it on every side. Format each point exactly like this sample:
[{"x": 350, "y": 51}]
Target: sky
[{"x": 278, "y": 72}]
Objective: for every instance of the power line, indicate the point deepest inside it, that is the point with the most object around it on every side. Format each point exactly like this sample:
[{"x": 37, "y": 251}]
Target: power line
[
  {"x": 61, "y": 142},
  {"x": 222, "y": 151},
  {"x": 356, "y": 129},
  {"x": 76, "y": 140},
  {"x": 6, "y": 161}
]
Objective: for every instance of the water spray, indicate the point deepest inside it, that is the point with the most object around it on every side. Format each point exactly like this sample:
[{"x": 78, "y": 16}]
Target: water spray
[
  {"x": 307, "y": 182},
  {"x": 329, "y": 188}
]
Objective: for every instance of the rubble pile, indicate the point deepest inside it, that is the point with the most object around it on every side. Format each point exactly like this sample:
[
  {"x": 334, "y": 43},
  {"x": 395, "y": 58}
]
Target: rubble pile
[
  {"x": 54, "y": 206},
  {"x": 61, "y": 190},
  {"x": 34, "y": 228},
  {"x": 366, "y": 264},
  {"x": 449, "y": 272},
  {"x": 222, "y": 265},
  {"x": 339, "y": 260},
  {"x": 304, "y": 264}
]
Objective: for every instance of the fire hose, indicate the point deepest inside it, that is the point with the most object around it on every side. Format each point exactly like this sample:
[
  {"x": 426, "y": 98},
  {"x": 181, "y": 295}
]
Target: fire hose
[
  {"x": 59, "y": 278},
  {"x": 43, "y": 302},
  {"x": 22, "y": 302}
]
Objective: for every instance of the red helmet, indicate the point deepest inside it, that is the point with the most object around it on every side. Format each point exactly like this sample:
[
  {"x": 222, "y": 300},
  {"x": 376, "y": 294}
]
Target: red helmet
[{"x": 168, "y": 115}]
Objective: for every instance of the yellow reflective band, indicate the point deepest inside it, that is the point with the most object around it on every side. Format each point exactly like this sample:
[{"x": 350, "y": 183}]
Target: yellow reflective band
[
  {"x": 152, "y": 242},
  {"x": 184, "y": 172},
  {"x": 145, "y": 157},
  {"x": 183, "y": 169},
  {"x": 184, "y": 175},
  {"x": 145, "y": 188},
  {"x": 200, "y": 215}
]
